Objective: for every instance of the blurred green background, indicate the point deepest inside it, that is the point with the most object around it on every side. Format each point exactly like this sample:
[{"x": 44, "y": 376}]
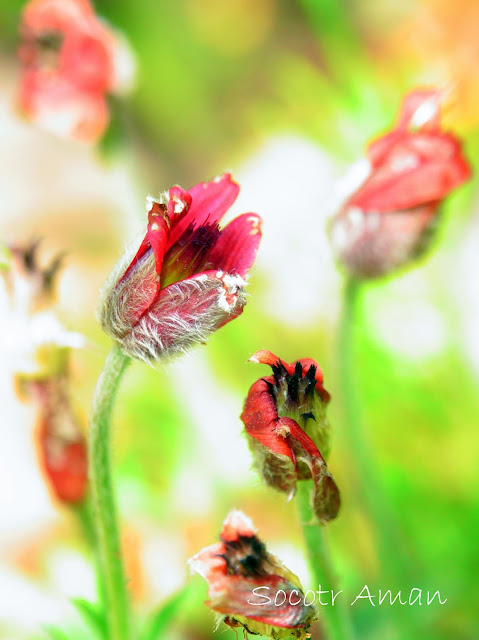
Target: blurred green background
[{"x": 286, "y": 94}]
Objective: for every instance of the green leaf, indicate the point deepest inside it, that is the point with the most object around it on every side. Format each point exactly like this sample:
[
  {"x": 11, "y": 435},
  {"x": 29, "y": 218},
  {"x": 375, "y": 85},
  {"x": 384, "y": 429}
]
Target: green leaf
[
  {"x": 163, "y": 617},
  {"x": 54, "y": 633},
  {"x": 93, "y": 616}
]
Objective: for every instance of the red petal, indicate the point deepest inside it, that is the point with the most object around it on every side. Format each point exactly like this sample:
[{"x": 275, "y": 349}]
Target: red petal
[
  {"x": 179, "y": 203},
  {"x": 265, "y": 357},
  {"x": 210, "y": 201},
  {"x": 260, "y": 418},
  {"x": 302, "y": 438},
  {"x": 325, "y": 499},
  {"x": 156, "y": 238},
  {"x": 410, "y": 169},
  {"x": 158, "y": 233},
  {"x": 234, "y": 596},
  {"x": 237, "y": 245}
]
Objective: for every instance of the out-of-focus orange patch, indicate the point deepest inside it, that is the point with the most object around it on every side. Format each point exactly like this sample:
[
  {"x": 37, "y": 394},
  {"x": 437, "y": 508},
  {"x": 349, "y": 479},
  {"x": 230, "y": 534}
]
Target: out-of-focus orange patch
[
  {"x": 440, "y": 39},
  {"x": 29, "y": 557},
  {"x": 131, "y": 545}
]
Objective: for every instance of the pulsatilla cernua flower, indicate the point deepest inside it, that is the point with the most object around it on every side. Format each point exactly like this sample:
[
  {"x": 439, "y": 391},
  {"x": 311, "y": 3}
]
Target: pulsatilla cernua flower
[
  {"x": 288, "y": 433},
  {"x": 186, "y": 279},
  {"x": 389, "y": 219},
  {"x": 250, "y": 587},
  {"x": 70, "y": 62}
]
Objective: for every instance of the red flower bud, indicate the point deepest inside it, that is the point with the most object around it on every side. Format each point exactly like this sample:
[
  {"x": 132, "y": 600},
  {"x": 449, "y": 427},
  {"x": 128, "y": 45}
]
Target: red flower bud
[
  {"x": 62, "y": 447},
  {"x": 186, "y": 279},
  {"x": 388, "y": 221},
  {"x": 250, "y": 587},
  {"x": 70, "y": 60},
  {"x": 288, "y": 433}
]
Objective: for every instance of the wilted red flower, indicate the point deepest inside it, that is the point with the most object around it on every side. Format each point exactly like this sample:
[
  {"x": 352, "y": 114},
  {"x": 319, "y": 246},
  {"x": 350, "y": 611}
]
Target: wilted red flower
[
  {"x": 61, "y": 445},
  {"x": 388, "y": 220},
  {"x": 70, "y": 61},
  {"x": 288, "y": 433},
  {"x": 250, "y": 587},
  {"x": 186, "y": 279}
]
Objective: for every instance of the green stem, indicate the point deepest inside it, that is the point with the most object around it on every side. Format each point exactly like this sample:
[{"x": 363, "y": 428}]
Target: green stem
[
  {"x": 336, "y": 616},
  {"x": 84, "y": 514},
  {"x": 106, "y": 525},
  {"x": 391, "y": 544}
]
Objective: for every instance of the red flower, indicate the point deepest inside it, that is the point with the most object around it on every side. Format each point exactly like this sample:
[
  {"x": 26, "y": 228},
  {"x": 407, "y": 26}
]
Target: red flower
[
  {"x": 186, "y": 279},
  {"x": 387, "y": 221},
  {"x": 61, "y": 445},
  {"x": 70, "y": 62},
  {"x": 249, "y": 586},
  {"x": 284, "y": 451}
]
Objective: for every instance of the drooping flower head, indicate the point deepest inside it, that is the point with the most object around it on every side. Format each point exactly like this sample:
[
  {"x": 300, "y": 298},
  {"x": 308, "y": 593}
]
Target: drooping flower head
[
  {"x": 388, "y": 220},
  {"x": 250, "y": 587},
  {"x": 288, "y": 433},
  {"x": 187, "y": 278},
  {"x": 70, "y": 62}
]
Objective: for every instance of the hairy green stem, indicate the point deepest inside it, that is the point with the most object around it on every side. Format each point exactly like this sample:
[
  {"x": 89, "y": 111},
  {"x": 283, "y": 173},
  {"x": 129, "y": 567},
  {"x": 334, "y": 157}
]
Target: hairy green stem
[
  {"x": 391, "y": 544},
  {"x": 103, "y": 499},
  {"x": 336, "y": 616}
]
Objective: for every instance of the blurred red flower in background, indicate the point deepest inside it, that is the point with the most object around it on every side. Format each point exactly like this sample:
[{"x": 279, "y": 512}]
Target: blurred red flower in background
[
  {"x": 285, "y": 419},
  {"x": 242, "y": 576},
  {"x": 70, "y": 62},
  {"x": 186, "y": 279},
  {"x": 42, "y": 351},
  {"x": 387, "y": 221},
  {"x": 61, "y": 445}
]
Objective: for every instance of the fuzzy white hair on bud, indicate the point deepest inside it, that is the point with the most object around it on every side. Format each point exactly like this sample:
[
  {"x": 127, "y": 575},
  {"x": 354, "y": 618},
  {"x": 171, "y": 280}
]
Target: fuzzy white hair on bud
[
  {"x": 183, "y": 315},
  {"x": 232, "y": 284}
]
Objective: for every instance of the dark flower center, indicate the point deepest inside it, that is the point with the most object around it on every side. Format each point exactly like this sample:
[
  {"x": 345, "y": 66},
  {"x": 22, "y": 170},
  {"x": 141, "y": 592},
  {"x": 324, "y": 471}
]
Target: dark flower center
[
  {"x": 294, "y": 393},
  {"x": 245, "y": 556},
  {"x": 296, "y": 397},
  {"x": 190, "y": 254},
  {"x": 42, "y": 50}
]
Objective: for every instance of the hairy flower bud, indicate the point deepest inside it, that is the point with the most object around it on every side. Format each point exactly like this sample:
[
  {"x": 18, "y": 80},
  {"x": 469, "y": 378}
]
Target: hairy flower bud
[
  {"x": 288, "y": 433},
  {"x": 250, "y": 587},
  {"x": 70, "y": 62},
  {"x": 187, "y": 278},
  {"x": 389, "y": 220}
]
